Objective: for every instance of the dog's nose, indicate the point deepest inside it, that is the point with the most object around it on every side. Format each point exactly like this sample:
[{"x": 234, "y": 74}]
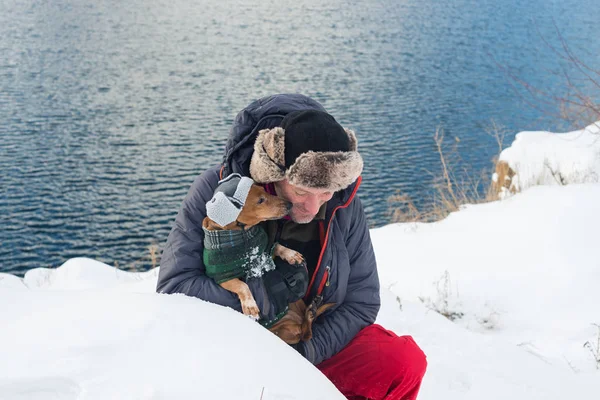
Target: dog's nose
[{"x": 288, "y": 206}]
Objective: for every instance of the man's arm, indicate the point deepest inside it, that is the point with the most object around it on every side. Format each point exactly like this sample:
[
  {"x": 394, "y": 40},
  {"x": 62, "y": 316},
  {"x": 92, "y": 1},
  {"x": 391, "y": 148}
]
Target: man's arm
[
  {"x": 182, "y": 267},
  {"x": 361, "y": 305}
]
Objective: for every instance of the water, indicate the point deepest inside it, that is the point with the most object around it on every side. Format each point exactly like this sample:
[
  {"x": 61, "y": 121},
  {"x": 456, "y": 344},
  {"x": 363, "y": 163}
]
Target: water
[{"x": 109, "y": 109}]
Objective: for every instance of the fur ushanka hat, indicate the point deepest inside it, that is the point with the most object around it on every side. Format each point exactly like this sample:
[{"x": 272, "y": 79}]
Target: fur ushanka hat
[{"x": 309, "y": 149}]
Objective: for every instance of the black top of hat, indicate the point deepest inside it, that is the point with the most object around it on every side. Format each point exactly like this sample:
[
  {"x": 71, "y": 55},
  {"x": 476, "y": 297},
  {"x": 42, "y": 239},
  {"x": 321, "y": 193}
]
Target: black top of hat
[{"x": 312, "y": 130}]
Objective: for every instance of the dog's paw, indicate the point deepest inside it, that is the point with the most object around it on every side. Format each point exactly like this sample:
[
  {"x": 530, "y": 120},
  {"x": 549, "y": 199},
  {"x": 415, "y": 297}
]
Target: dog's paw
[
  {"x": 296, "y": 259},
  {"x": 311, "y": 312},
  {"x": 301, "y": 264},
  {"x": 250, "y": 308},
  {"x": 292, "y": 257}
]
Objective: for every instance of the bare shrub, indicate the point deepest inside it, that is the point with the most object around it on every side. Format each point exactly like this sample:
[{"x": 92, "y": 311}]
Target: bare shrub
[
  {"x": 577, "y": 102},
  {"x": 441, "y": 303},
  {"x": 153, "y": 249},
  {"x": 594, "y": 348},
  {"x": 151, "y": 257},
  {"x": 455, "y": 185}
]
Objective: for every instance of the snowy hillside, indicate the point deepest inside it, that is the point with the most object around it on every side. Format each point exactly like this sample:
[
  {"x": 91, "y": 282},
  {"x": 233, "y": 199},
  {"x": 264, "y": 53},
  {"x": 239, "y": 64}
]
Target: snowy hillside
[{"x": 520, "y": 279}]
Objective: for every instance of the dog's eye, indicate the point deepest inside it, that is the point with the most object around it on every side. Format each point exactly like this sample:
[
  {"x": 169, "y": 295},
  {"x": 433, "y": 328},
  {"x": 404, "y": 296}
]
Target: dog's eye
[{"x": 261, "y": 200}]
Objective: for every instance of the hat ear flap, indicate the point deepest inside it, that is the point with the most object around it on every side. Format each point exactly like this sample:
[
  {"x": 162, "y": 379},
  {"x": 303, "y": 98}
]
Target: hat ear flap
[
  {"x": 352, "y": 137},
  {"x": 274, "y": 145},
  {"x": 268, "y": 160}
]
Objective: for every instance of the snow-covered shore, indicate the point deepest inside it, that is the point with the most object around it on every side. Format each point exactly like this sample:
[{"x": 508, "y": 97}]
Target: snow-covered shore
[
  {"x": 546, "y": 158},
  {"x": 517, "y": 278}
]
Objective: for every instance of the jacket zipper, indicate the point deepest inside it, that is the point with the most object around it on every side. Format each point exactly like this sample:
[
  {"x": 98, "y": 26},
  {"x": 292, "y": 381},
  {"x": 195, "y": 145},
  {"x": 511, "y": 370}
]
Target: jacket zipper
[
  {"x": 325, "y": 281},
  {"x": 325, "y": 278}
]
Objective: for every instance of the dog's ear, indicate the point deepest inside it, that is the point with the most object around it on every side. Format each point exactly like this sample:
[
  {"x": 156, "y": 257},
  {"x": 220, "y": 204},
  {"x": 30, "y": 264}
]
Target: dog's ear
[{"x": 210, "y": 225}]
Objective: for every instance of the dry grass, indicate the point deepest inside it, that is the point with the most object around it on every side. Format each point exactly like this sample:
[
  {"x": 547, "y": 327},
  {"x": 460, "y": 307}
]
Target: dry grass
[
  {"x": 594, "y": 348},
  {"x": 153, "y": 249},
  {"x": 454, "y": 187},
  {"x": 141, "y": 264},
  {"x": 441, "y": 303}
]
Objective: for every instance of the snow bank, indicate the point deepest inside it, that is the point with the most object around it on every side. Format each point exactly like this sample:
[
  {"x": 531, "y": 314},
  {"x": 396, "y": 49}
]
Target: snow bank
[
  {"x": 86, "y": 274},
  {"x": 113, "y": 343},
  {"x": 545, "y": 158}
]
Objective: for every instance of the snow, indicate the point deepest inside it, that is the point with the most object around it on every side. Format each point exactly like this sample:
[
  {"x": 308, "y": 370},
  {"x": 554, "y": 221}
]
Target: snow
[
  {"x": 524, "y": 274},
  {"x": 546, "y": 158},
  {"x": 119, "y": 340},
  {"x": 518, "y": 280},
  {"x": 259, "y": 262}
]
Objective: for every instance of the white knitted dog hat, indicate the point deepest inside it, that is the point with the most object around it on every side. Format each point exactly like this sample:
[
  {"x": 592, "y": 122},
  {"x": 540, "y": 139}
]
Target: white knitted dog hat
[{"x": 228, "y": 199}]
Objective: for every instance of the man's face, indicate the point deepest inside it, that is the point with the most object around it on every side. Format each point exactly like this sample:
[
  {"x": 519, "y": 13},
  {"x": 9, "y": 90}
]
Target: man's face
[{"x": 306, "y": 202}]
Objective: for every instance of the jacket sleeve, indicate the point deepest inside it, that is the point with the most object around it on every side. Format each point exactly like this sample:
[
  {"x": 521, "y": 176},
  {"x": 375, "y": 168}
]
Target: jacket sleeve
[
  {"x": 182, "y": 267},
  {"x": 361, "y": 304}
]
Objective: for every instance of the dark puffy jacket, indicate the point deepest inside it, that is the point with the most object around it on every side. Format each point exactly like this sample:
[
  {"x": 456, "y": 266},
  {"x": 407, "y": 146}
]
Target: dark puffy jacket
[{"x": 347, "y": 271}]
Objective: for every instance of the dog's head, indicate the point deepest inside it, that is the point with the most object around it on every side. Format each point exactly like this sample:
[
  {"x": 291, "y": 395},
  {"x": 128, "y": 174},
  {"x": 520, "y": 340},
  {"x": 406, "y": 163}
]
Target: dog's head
[
  {"x": 261, "y": 206},
  {"x": 239, "y": 202}
]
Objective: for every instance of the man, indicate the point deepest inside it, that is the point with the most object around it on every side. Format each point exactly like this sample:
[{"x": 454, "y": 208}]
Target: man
[{"x": 299, "y": 152}]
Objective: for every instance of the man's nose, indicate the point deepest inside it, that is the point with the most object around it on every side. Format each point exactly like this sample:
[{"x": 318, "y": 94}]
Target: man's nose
[{"x": 312, "y": 204}]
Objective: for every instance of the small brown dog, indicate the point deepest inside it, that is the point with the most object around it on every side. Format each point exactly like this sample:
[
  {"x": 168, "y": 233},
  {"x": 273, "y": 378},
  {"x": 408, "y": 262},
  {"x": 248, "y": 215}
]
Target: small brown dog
[
  {"x": 296, "y": 325},
  {"x": 238, "y": 209}
]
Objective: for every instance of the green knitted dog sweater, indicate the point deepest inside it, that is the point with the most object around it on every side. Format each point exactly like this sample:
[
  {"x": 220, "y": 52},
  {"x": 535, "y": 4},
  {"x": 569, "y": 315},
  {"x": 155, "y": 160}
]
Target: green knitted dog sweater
[{"x": 237, "y": 254}]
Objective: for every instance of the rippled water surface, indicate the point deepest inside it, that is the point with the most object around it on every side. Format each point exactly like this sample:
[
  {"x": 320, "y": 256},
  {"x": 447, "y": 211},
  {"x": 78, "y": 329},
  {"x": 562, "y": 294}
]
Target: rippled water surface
[{"x": 109, "y": 109}]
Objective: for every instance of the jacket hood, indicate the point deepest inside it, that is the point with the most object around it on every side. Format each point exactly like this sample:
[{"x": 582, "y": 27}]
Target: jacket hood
[{"x": 264, "y": 113}]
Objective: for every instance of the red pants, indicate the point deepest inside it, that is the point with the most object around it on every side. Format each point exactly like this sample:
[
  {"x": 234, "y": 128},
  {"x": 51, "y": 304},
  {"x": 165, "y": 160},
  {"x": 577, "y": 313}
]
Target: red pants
[{"x": 377, "y": 365}]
